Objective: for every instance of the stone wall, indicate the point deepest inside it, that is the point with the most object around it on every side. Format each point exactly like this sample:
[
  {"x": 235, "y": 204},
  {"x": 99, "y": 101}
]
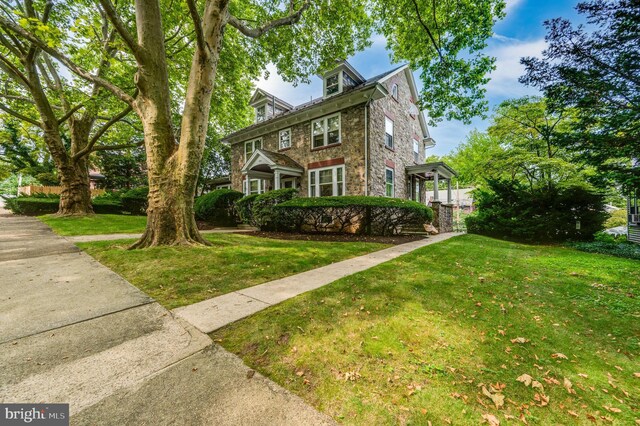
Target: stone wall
[
  {"x": 405, "y": 128},
  {"x": 442, "y": 216},
  {"x": 351, "y": 150}
]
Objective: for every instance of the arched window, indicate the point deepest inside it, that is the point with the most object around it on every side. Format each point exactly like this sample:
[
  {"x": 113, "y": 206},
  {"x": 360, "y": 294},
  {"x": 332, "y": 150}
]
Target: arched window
[{"x": 394, "y": 91}]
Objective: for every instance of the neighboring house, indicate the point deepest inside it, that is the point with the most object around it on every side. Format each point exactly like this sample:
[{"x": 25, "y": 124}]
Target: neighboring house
[{"x": 362, "y": 137}]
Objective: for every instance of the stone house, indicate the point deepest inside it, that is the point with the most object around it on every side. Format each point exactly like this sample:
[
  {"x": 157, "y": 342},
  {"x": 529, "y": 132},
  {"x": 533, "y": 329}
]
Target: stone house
[{"x": 362, "y": 137}]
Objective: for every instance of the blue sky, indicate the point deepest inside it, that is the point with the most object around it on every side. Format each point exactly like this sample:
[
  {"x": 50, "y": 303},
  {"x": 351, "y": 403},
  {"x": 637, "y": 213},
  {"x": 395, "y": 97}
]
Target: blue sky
[{"x": 519, "y": 34}]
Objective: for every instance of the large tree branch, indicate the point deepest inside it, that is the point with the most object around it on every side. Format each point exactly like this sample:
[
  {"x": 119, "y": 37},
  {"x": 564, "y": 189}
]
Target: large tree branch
[
  {"x": 69, "y": 113},
  {"x": 13, "y": 72},
  {"x": 426, "y": 28},
  {"x": 115, "y": 147},
  {"x": 290, "y": 19},
  {"x": 197, "y": 24},
  {"x": 89, "y": 148},
  {"x": 117, "y": 23},
  {"x": 16, "y": 29},
  {"x": 20, "y": 116}
]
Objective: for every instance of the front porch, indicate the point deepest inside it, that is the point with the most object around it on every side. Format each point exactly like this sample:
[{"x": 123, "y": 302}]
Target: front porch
[
  {"x": 266, "y": 171},
  {"x": 436, "y": 172}
]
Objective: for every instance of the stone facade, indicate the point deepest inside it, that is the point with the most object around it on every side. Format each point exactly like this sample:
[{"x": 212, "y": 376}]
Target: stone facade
[
  {"x": 442, "y": 216},
  {"x": 351, "y": 150}
]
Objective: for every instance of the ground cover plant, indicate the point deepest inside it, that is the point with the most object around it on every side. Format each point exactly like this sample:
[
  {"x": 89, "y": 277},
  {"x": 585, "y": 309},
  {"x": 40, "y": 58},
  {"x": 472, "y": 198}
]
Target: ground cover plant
[
  {"x": 95, "y": 224},
  {"x": 178, "y": 276},
  {"x": 467, "y": 331}
]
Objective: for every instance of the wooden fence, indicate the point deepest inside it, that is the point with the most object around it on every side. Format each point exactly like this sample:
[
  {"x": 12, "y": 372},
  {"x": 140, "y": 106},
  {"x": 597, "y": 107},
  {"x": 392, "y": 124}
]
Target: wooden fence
[{"x": 34, "y": 189}]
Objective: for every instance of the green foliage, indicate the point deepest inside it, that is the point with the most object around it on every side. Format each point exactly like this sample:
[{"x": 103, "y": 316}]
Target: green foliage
[
  {"x": 134, "y": 201},
  {"x": 31, "y": 206},
  {"x": 107, "y": 206},
  {"x": 509, "y": 210},
  {"x": 263, "y": 214},
  {"x": 617, "y": 218},
  {"x": 23, "y": 154},
  {"x": 612, "y": 248},
  {"x": 218, "y": 207},
  {"x": 366, "y": 215},
  {"x": 122, "y": 170},
  {"x": 244, "y": 208},
  {"x": 593, "y": 69}
]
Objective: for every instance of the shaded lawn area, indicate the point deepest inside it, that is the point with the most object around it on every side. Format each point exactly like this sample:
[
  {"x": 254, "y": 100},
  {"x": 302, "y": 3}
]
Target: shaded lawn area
[
  {"x": 178, "y": 276},
  {"x": 417, "y": 339},
  {"x": 96, "y": 224}
]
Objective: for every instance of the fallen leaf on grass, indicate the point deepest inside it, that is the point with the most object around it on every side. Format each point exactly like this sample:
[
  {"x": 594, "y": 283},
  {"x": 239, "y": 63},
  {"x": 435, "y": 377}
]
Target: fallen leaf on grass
[
  {"x": 520, "y": 340},
  {"x": 636, "y": 375},
  {"x": 541, "y": 399},
  {"x": 497, "y": 398},
  {"x": 351, "y": 376},
  {"x": 583, "y": 375},
  {"x": 525, "y": 378},
  {"x": 612, "y": 409},
  {"x": 558, "y": 355},
  {"x": 491, "y": 419},
  {"x": 300, "y": 373},
  {"x": 568, "y": 386},
  {"x": 572, "y": 413}
]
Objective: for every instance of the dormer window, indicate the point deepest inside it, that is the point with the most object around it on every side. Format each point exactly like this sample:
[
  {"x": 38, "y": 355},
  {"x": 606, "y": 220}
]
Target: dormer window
[
  {"x": 261, "y": 113},
  {"x": 332, "y": 85},
  {"x": 342, "y": 77}
]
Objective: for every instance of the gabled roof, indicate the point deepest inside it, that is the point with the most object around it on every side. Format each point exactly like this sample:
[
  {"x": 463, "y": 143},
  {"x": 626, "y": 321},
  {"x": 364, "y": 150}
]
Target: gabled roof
[
  {"x": 272, "y": 159},
  {"x": 261, "y": 95},
  {"x": 344, "y": 65}
]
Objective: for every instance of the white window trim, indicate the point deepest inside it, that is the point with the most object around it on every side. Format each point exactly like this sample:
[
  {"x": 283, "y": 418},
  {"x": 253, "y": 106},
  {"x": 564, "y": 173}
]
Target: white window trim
[
  {"x": 416, "y": 152},
  {"x": 393, "y": 131},
  {"x": 326, "y": 130},
  {"x": 394, "y": 88},
  {"x": 253, "y": 148},
  {"x": 265, "y": 112},
  {"x": 280, "y": 140},
  {"x": 393, "y": 182},
  {"x": 225, "y": 186},
  {"x": 246, "y": 186},
  {"x": 334, "y": 176},
  {"x": 324, "y": 84}
]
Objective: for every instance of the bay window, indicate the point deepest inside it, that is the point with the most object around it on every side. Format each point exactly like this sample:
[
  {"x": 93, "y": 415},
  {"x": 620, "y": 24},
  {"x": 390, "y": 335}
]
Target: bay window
[
  {"x": 325, "y": 131},
  {"x": 326, "y": 182}
]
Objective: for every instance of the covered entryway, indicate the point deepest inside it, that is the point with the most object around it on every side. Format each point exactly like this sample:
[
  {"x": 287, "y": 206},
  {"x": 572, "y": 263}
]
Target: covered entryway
[
  {"x": 436, "y": 172},
  {"x": 267, "y": 170}
]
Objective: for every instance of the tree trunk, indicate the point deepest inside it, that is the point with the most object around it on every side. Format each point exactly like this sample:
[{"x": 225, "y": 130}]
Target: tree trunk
[{"x": 75, "y": 198}]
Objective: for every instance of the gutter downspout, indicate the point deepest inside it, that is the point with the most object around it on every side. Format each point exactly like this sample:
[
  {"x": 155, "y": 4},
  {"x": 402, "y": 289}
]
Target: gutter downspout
[{"x": 366, "y": 144}]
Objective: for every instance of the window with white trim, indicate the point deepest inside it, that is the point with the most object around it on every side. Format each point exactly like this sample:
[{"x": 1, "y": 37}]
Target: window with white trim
[
  {"x": 251, "y": 146},
  {"x": 325, "y": 131},
  {"x": 261, "y": 113},
  {"x": 416, "y": 150},
  {"x": 326, "y": 182},
  {"x": 394, "y": 91},
  {"x": 332, "y": 84},
  {"x": 388, "y": 132},
  {"x": 285, "y": 138},
  {"x": 256, "y": 186},
  {"x": 389, "y": 182}
]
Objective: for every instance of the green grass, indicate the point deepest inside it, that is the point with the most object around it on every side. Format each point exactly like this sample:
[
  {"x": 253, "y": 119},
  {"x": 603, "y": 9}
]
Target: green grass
[
  {"x": 414, "y": 340},
  {"x": 96, "y": 224},
  {"x": 178, "y": 276}
]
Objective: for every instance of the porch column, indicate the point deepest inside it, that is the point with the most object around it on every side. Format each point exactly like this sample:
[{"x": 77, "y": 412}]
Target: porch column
[
  {"x": 276, "y": 179},
  {"x": 436, "y": 196},
  {"x": 448, "y": 191}
]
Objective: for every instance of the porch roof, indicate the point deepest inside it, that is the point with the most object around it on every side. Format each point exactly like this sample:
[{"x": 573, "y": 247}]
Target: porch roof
[
  {"x": 428, "y": 170},
  {"x": 263, "y": 161}
]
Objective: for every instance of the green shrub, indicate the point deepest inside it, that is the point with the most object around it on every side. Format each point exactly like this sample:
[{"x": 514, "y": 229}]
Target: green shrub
[
  {"x": 218, "y": 207},
  {"x": 105, "y": 206},
  {"x": 617, "y": 218},
  {"x": 112, "y": 196},
  {"x": 44, "y": 195},
  {"x": 244, "y": 208},
  {"x": 262, "y": 209},
  {"x": 369, "y": 215},
  {"x": 513, "y": 211},
  {"x": 134, "y": 201},
  {"x": 627, "y": 250},
  {"x": 32, "y": 206}
]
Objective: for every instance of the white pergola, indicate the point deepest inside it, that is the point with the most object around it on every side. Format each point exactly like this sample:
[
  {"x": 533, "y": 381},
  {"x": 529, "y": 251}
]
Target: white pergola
[{"x": 436, "y": 172}]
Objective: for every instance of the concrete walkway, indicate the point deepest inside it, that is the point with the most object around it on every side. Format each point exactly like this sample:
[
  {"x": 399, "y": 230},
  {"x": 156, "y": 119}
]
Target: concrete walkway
[
  {"x": 73, "y": 331},
  {"x": 109, "y": 237},
  {"x": 212, "y": 314}
]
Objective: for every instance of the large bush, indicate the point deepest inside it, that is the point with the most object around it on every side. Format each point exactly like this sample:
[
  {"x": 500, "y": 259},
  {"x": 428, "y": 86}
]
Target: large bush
[
  {"x": 362, "y": 214},
  {"x": 257, "y": 209},
  {"x": 134, "y": 201},
  {"x": 513, "y": 211},
  {"x": 218, "y": 207},
  {"x": 32, "y": 206},
  {"x": 618, "y": 218},
  {"x": 244, "y": 208}
]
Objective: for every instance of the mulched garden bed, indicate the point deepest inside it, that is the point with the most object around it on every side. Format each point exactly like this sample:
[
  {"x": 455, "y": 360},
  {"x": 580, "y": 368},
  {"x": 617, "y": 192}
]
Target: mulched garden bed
[{"x": 395, "y": 240}]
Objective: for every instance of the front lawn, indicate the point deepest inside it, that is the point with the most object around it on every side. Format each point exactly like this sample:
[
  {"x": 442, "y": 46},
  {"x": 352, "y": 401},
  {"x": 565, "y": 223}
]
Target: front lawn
[
  {"x": 459, "y": 332},
  {"x": 96, "y": 224},
  {"x": 178, "y": 276}
]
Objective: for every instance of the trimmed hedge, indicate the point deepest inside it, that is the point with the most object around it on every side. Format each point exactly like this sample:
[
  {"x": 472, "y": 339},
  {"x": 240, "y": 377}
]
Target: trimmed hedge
[
  {"x": 244, "y": 208},
  {"x": 135, "y": 201},
  {"x": 367, "y": 215},
  {"x": 263, "y": 214},
  {"x": 627, "y": 250},
  {"x": 35, "y": 206},
  {"x": 217, "y": 207}
]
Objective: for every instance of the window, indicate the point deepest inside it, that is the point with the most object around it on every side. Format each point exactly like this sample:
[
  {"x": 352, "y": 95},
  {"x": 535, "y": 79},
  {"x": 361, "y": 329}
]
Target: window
[
  {"x": 285, "y": 138},
  {"x": 394, "y": 91},
  {"x": 288, "y": 183},
  {"x": 389, "y": 190},
  {"x": 347, "y": 81},
  {"x": 261, "y": 113},
  {"x": 256, "y": 186},
  {"x": 332, "y": 84},
  {"x": 326, "y": 182},
  {"x": 388, "y": 132},
  {"x": 416, "y": 151},
  {"x": 326, "y": 131},
  {"x": 250, "y": 147},
  {"x": 226, "y": 186}
]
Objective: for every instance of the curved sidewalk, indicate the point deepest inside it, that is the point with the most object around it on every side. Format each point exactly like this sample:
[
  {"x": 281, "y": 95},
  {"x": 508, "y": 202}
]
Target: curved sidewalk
[{"x": 212, "y": 314}]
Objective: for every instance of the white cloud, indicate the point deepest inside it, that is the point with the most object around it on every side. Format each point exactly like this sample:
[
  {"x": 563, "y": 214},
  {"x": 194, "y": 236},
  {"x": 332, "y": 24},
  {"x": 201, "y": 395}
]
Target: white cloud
[
  {"x": 512, "y": 4},
  {"x": 287, "y": 91}
]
